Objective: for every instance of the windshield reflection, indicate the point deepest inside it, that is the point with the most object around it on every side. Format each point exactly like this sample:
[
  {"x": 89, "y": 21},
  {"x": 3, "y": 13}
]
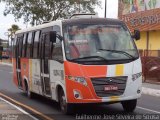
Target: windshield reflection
[{"x": 111, "y": 42}]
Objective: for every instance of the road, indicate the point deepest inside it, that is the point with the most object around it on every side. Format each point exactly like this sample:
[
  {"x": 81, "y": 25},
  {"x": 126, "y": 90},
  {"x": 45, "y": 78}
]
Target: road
[{"x": 146, "y": 104}]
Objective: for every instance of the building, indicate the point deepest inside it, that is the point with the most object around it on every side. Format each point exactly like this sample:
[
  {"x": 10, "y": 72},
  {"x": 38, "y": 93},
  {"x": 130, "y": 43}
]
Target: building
[
  {"x": 4, "y": 49},
  {"x": 3, "y": 41},
  {"x": 145, "y": 16}
]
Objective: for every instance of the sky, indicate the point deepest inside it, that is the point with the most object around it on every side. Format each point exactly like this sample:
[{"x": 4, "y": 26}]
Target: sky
[{"x": 7, "y": 21}]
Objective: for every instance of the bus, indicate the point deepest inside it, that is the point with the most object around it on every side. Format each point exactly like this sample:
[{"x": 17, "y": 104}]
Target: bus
[{"x": 79, "y": 61}]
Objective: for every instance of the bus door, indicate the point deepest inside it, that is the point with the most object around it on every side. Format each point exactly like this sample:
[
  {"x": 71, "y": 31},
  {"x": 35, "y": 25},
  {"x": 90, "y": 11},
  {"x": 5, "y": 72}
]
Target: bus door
[
  {"x": 45, "y": 56},
  {"x": 19, "y": 43}
]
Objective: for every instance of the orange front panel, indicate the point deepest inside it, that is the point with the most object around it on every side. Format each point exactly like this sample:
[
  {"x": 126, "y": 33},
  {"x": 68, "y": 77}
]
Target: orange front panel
[
  {"x": 72, "y": 69},
  {"x": 87, "y": 92},
  {"x": 92, "y": 71}
]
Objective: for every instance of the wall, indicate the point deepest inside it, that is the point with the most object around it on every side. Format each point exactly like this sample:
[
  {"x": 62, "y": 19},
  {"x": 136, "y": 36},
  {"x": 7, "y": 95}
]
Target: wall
[
  {"x": 142, "y": 43},
  {"x": 154, "y": 40}
]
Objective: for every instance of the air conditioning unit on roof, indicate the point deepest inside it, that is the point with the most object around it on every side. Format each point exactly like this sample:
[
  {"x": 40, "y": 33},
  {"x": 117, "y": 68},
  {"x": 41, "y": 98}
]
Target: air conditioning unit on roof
[{"x": 83, "y": 15}]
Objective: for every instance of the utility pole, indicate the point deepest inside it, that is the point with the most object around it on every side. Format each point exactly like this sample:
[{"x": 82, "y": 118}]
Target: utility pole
[
  {"x": 79, "y": 6},
  {"x": 105, "y": 12}
]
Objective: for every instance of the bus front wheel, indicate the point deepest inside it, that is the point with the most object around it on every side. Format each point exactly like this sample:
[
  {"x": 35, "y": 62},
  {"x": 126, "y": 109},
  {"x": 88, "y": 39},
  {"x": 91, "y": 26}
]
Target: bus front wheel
[
  {"x": 65, "y": 107},
  {"x": 129, "y": 105}
]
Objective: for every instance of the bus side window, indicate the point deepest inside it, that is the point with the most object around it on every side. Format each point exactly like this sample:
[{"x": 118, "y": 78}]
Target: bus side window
[
  {"x": 32, "y": 44},
  {"x": 29, "y": 42},
  {"x": 17, "y": 47},
  {"x": 14, "y": 47},
  {"x": 40, "y": 51},
  {"x": 20, "y": 45},
  {"x": 47, "y": 50},
  {"x": 24, "y": 50},
  {"x": 57, "y": 53},
  {"x": 36, "y": 45}
]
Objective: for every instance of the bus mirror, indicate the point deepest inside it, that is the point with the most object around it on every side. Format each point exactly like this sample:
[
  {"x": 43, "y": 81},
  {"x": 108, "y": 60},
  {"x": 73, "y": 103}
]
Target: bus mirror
[
  {"x": 53, "y": 36},
  {"x": 136, "y": 34}
]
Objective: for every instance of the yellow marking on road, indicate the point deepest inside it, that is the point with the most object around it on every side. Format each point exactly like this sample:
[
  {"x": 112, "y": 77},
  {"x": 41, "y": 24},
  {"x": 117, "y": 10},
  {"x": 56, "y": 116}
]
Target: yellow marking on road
[
  {"x": 119, "y": 70},
  {"x": 26, "y": 107}
]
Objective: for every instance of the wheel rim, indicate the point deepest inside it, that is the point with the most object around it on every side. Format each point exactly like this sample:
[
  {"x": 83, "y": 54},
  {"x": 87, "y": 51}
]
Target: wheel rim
[
  {"x": 28, "y": 93},
  {"x": 63, "y": 101}
]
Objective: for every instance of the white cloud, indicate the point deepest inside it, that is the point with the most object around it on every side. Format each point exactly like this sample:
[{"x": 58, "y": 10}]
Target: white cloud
[
  {"x": 112, "y": 9},
  {"x": 7, "y": 21}
]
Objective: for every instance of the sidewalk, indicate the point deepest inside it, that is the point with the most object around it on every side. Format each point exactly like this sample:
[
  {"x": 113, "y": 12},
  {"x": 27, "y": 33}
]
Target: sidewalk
[
  {"x": 8, "y": 111},
  {"x": 151, "y": 89},
  {"x": 6, "y": 62}
]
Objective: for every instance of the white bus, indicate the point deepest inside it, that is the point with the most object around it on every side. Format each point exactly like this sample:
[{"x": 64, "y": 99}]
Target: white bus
[{"x": 80, "y": 60}]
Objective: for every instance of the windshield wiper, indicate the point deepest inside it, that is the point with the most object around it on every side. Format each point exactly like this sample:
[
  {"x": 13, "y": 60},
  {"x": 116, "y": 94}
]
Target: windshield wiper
[
  {"x": 121, "y": 52},
  {"x": 89, "y": 57}
]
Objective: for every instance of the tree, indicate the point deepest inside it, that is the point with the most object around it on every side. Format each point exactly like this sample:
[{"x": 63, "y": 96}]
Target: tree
[
  {"x": 38, "y": 11},
  {"x": 13, "y": 30}
]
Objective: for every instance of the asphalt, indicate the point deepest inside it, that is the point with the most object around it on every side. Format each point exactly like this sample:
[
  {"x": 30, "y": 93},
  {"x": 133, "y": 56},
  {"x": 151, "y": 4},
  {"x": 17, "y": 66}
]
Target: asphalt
[
  {"x": 9, "y": 111},
  {"x": 148, "y": 104},
  {"x": 152, "y": 86}
]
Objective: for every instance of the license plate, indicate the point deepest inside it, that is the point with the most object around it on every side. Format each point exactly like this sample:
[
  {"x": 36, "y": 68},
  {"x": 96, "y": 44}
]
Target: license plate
[{"x": 110, "y": 88}]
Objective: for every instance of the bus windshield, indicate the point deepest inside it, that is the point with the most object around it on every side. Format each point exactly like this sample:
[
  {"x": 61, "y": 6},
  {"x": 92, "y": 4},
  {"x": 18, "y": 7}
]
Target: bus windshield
[{"x": 99, "y": 42}]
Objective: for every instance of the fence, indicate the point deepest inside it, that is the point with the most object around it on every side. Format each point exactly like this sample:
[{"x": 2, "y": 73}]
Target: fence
[{"x": 150, "y": 65}]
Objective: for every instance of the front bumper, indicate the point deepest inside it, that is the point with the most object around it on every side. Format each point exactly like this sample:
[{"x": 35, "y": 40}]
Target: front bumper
[{"x": 87, "y": 94}]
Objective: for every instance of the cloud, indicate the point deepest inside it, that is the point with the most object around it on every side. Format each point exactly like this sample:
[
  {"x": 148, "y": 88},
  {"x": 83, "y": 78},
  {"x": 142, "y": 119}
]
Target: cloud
[
  {"x": 7, "y": 21},
  {"x": 112, "y": 9}
]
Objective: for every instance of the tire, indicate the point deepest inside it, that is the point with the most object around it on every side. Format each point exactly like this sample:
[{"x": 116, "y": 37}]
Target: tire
[
  {"x": 28, "y": 92},
  {"x": 130, "y": 105},
  {"x": 65, "y": 107}
]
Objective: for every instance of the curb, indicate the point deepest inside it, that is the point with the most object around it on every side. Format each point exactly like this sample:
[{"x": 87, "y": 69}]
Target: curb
[
  {"x": 25, "y": 107},
  {"x": 152, "y": 92},
  {"x": 8, "y": 64},
  {"x": 151, "y": 82}
]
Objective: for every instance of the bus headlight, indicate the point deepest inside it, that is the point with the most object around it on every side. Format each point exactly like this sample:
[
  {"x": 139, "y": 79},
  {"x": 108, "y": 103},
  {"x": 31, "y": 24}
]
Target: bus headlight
[
  {"x": 80, "y": 80},
  {"x": 136, "y": 76}
]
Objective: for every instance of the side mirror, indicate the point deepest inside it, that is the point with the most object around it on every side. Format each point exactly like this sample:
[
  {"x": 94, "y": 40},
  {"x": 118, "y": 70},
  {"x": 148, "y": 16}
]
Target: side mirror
[
  {"x": 136, "y": 34},
  {"x": 53, "y": 36}
]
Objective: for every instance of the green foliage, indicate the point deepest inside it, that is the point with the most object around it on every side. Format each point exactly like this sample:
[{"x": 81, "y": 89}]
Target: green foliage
[
  {"x": 152, "y": 4},
  {"x": 38, "y": 11},
  {"x": 13, "y": 30}
]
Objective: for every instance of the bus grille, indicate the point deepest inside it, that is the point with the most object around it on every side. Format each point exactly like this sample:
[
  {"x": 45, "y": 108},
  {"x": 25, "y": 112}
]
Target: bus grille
[{"x": 100, "y": 83}]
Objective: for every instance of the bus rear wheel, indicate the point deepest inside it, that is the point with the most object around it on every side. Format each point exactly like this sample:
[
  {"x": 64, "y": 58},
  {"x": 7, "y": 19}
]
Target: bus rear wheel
[
  {"x": 65, "y": 107},
  {"x": 28, "y": 92},
  {"x": 129, "y": 105}
]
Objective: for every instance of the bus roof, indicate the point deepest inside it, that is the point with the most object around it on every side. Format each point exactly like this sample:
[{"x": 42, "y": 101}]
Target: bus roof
[
  {"x": 38, "y": 27},
  {"x": 70, "y": 22},
  {"x": 92, "y": 21}
]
